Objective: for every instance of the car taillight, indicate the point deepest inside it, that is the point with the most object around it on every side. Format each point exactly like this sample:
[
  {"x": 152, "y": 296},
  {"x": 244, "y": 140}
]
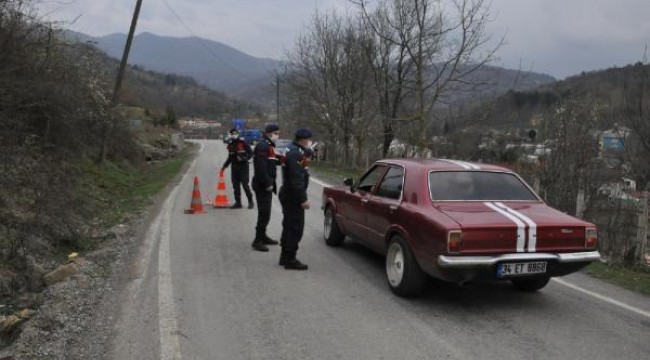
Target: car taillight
[
  {"x": 591, "y": 238},
  {"x": 454, "y": 241}
]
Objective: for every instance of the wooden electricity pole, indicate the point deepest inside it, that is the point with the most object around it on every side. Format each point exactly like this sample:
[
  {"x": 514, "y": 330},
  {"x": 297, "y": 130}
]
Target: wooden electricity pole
[
  {"x": 125, "y": 55},
  {"x": 120, "y": 76},
  {"x": 277, "y": 98}
]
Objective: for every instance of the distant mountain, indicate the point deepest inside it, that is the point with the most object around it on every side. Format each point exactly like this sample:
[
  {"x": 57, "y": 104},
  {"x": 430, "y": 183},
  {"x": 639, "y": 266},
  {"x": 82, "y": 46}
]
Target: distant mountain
[
  {"x": 216, "y": 65},
  {"x": 224, "y": 68},
  {"x": 487, "y": 83},
  {"x": 156, "y": 92}
]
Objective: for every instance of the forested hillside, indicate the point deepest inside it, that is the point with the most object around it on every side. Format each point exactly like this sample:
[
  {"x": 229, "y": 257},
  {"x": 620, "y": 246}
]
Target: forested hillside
[
  {"x": 216, "y": 65},
  {"x": 157, "y": 91},
  {"x": 606, "y": 88}
]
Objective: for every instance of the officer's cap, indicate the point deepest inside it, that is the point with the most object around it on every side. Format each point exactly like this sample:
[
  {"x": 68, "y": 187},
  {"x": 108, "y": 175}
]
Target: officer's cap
[
  {"x": 271, "y": 128},
  {"x": 303, "y": 134}
]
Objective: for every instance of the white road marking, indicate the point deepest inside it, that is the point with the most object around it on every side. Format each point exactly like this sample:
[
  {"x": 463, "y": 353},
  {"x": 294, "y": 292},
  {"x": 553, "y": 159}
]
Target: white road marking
[
  {"x": 170, "y": 347},
  {"x": 604, "y": 298},
  {"x": 532, "y": 226},
  {"x": 521, "y": 227},
  {"x": 319, "y": 182}
]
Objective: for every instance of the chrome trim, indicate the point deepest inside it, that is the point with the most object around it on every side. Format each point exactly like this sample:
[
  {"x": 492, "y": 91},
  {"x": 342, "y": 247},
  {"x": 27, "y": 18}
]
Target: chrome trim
[
  {"x": 539, "y": 199},
  {"x": 446, "y": 261}
]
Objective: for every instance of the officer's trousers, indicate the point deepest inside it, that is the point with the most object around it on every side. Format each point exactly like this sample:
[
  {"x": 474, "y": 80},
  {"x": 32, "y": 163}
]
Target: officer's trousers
[
  {"x": 264, "y": 201},
  {"x": 293, "y": 226},
  {"x": 239, "y": 176}
]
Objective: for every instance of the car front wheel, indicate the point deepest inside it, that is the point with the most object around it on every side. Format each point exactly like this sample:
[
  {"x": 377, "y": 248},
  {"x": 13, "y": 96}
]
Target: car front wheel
[
  {"x": 403, "y": 273},
  {"x": 530, "y": 284},
  {"x": 331, "y": 232}
]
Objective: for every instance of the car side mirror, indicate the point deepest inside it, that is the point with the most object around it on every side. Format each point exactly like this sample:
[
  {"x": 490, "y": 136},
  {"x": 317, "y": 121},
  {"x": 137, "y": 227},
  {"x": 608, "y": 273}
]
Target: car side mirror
[{"x": 349, "y": 182}]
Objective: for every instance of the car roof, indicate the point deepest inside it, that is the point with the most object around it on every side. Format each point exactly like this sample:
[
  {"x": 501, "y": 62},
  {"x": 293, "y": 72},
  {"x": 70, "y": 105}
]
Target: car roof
[{"x": 444, "y": 165}]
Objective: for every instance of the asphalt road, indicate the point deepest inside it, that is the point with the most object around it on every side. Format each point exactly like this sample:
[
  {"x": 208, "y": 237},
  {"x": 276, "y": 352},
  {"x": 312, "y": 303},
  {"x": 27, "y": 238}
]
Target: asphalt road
[{"x": 200, "y": 292}]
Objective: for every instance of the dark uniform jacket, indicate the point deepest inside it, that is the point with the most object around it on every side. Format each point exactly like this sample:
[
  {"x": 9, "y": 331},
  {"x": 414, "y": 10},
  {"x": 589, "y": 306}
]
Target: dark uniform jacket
[
  {"x": 239, "y": 152},
  {"x": 265, "y": 163},
  {"x": 295, "y": 174}
]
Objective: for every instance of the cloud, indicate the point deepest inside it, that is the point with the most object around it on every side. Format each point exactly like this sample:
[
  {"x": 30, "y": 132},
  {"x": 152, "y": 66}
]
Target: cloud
[
  {"x": 567, "y": 37},
  {"x": 555, "y": 36}
]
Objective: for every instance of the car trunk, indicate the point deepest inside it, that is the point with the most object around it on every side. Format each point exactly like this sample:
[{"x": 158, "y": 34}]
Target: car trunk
[{"x": 489, "y": 228}]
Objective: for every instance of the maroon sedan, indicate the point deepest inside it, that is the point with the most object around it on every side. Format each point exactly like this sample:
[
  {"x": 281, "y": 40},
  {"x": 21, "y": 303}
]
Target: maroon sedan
[{"x": 456, "y": 221}]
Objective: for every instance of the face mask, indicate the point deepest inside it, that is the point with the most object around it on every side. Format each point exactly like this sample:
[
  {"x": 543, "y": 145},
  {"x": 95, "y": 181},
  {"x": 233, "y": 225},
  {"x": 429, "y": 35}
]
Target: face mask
[
  {"x": 309, "y": 143},
  {"x": 234, "y": 136},
  {"x": 275, "y": 137}
]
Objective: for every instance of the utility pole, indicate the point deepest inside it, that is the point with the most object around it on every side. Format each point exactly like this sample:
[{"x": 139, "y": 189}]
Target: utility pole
[
  {"x": 125, "y": 55},
  {"x": 277, "y": 98},
  {"x": 120, "y": 76}
]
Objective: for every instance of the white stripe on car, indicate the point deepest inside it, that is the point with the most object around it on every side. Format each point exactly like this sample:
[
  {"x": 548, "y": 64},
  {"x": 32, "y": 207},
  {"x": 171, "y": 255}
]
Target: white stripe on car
[
  {"x": 532, "y": 226},
  {"x": 521, "y": 227},
  {"x": 465, "y": 165}
]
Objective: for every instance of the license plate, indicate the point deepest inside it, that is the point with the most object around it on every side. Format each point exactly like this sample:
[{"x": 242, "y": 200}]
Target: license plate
[{"x": 516, "y": 269}]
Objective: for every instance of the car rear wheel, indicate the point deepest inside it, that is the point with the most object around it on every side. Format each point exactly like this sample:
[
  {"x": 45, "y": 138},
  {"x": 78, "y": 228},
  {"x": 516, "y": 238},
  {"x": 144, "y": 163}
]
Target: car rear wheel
[
  {"x": 332, "y": 233},
  {"x": 530, "y": 284},
  {"x": 403, "y": 273}
]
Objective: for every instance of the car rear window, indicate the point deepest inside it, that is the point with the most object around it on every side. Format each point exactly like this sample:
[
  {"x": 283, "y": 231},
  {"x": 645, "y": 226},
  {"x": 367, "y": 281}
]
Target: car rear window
[{"x": 478, "y": 185}]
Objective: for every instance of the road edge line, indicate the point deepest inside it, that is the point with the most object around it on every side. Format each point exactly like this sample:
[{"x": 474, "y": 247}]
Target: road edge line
[
  {"x": 170, "y": 347},
  {"x": 603, "y": 298}
]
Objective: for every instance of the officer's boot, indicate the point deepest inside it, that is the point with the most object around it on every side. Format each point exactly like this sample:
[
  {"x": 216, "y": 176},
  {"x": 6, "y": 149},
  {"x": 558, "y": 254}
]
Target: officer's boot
[
  {"x": 258, "y": 244},
  {"x": 251, "y": 203},
  {"x": 283, "y": 258},
  {"x": 236, "y": 205},
  {"x": 291, "y": 263},
  {"x": 268, "y": 241}
]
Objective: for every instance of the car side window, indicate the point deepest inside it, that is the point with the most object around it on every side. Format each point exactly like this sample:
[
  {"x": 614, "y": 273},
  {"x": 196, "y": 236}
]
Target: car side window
[
  {"x": 371, "y": 178},
  {"x": 392, "y": 184}
]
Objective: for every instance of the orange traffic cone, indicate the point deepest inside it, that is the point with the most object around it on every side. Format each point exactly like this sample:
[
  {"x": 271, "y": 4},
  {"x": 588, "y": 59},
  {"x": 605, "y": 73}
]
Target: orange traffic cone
[
  {"x": 196, "y": 207},
  {"x": 221, "y": 200}
]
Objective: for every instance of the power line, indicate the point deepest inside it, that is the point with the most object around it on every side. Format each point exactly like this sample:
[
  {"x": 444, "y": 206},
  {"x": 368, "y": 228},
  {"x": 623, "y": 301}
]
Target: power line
[{"x": 201, "y": 41}]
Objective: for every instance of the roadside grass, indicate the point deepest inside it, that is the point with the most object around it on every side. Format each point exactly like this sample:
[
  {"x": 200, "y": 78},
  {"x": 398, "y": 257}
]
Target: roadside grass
[
  {"x": 334, "y": 174},
  {"x": 637, "y": 279},
  {"x": 130, "y": 189},
  {"x": 118, "y": 191}
]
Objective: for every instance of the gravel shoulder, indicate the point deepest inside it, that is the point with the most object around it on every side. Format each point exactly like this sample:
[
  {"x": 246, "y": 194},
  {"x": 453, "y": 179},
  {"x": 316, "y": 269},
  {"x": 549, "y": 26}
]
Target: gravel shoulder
[{"x": 77, "y": 317}]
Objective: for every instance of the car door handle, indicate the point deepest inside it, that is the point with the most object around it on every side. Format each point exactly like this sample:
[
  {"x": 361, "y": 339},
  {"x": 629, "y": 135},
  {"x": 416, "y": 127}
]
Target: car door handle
[
  {"x": 364, "y": 201},
  {"x": 392, "y": 209}
]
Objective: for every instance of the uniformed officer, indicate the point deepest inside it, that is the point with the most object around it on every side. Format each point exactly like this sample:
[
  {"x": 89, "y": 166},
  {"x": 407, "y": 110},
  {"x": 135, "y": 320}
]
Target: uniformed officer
[
  {"x": 265, "y": 164},
  {"x": 239, "y": 152},
  {"x": 293, "y": 197}
]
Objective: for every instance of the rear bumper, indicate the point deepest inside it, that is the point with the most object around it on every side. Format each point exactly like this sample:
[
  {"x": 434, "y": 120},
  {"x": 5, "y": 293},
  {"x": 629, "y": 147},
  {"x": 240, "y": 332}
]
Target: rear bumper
[
  {"x": 465, "y": 268},
  {"x": 471, "y": 261}
]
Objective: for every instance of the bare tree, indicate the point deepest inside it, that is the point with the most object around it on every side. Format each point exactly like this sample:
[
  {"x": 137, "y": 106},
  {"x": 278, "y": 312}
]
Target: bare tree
[
  {"x": 636, "y": 108},
  {"x": 442, "y": 41},
  {"x": 330, "y": 79},
  {"x": 569, "y": 130},
  {"x": 390, "y": 69}
]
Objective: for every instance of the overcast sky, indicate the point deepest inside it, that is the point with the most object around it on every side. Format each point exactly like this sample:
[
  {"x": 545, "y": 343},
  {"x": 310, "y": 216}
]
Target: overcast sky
[{"x": 558, "y": 37}]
